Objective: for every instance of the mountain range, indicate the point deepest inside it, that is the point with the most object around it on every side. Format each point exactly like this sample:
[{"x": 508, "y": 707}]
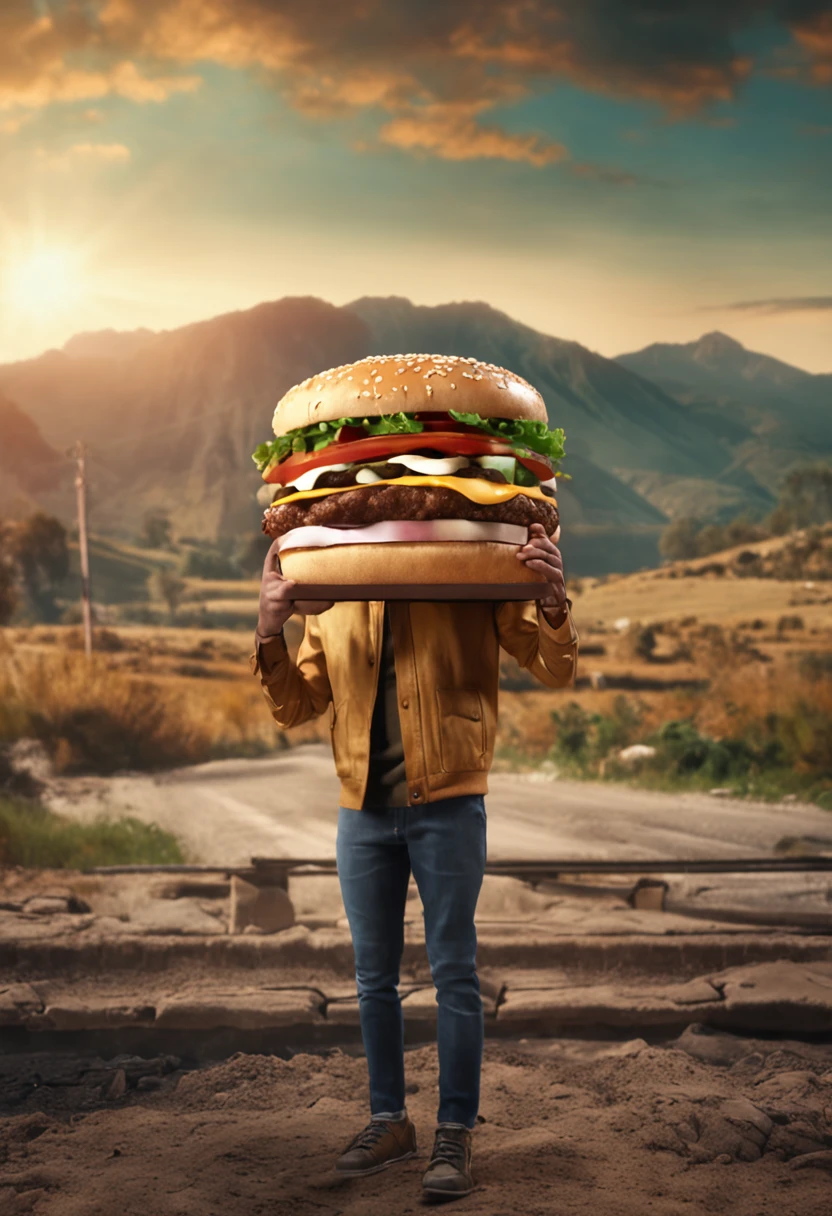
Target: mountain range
[{"x": 171, "y": 418}]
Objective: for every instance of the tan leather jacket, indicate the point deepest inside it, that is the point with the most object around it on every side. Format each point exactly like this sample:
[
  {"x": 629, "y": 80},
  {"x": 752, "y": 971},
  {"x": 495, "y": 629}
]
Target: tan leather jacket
[{"x": 447, "y": 658}]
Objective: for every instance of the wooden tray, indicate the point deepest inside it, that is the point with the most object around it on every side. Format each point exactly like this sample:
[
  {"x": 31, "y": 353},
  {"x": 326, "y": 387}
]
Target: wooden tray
[{"x": 422, "y": 591}]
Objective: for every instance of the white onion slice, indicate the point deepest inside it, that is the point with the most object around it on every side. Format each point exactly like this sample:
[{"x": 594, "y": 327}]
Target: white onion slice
[
  {"x": 436, "y": 466},
  {"x": 306, "y": 481},
  {"x": 317, "y": 536}
]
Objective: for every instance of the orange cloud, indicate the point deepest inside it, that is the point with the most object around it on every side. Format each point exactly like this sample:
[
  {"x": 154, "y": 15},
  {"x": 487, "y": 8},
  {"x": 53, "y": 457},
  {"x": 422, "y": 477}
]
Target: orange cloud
[
  {"x": 453, "y": 137},
  {"x": 815, "y": 37},
  {"x": 38, "y": 62},
  {"x": 429, "y": 70}
]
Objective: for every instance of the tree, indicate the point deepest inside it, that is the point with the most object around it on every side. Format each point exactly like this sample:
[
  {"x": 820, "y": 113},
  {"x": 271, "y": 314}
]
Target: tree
[
  {"x": 156, "y": 530},
  {"x": 8, "y": 588},
  {"x": 678, "y": 541},
  {"x": 805, "y": 499},
  {"x": 253, "y": 553},
  {"x": 168, "y": 586},
  {"x": 38, "y": 547}
]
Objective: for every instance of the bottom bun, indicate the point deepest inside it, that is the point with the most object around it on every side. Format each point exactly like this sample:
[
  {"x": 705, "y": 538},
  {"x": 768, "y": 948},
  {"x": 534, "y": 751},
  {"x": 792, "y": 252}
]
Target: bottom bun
[{"x": 408, "y": 562}]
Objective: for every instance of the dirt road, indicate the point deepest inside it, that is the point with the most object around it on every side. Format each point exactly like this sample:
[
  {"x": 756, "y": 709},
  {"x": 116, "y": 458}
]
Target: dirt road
[{"x": 228, "y": 811}]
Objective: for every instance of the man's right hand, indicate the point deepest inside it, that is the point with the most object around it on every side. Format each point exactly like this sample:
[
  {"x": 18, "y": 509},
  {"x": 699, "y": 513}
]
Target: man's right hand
[{"x": 276, "y": 598}]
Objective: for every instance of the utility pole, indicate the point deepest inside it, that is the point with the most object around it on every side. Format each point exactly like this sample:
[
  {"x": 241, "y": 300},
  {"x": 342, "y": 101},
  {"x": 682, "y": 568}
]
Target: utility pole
[{"x": 83, "y": 548}]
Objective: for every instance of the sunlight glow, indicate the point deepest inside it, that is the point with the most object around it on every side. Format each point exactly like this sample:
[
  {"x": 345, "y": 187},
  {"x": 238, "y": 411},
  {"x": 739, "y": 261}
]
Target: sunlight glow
[{"x": 44, "y": 283}]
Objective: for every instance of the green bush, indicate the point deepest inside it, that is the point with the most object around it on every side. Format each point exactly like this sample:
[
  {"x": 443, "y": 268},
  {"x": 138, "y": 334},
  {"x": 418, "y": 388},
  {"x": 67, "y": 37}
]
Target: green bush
[
  {"x": 681, "y": 749},
  {"x": 788, "y": 750},
  {"x": 32, "y": 836},
  {"x": 583, "y": 739}
]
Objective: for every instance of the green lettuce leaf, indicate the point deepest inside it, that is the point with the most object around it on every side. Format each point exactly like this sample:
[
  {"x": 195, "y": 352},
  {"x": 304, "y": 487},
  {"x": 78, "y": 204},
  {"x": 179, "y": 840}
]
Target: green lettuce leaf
[
  {"x": 521, "y": 433},
  {"x": 321, "y": 434}
]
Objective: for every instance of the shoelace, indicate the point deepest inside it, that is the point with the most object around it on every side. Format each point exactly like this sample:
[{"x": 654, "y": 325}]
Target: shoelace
[
  {"x": 448, "y": 1148},
  {"x": 371, "y": 1134}
]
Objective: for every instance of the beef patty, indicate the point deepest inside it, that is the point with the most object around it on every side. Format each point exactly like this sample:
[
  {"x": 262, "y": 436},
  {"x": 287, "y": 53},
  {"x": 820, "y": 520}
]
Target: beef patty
[{"x": 375, "y": 503}]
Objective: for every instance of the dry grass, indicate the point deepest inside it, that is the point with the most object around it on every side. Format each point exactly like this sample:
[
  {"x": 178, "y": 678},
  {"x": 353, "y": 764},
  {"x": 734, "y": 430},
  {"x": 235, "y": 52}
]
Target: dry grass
[
  {"x": 649, "y": 597},
  {"x": 94, "y": 717}
]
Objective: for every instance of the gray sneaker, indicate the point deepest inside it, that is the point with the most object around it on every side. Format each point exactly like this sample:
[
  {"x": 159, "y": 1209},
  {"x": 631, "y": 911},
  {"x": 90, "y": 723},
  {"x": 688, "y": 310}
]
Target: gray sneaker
[{"x": 449, "y": 1172}]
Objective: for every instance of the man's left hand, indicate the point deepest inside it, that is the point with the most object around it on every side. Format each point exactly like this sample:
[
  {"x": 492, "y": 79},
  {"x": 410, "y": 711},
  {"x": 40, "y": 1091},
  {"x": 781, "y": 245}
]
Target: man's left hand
[{"x": 543, "y": 556}]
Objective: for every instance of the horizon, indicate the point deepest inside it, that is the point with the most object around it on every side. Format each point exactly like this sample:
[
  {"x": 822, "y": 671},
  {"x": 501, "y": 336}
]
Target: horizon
[
  {"x": 608, "y": 174},
  {"x": 705, "y": 333}
]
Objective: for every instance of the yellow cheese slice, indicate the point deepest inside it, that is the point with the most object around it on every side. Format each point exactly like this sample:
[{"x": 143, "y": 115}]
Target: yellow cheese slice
[{"x": 478, "y": 490}]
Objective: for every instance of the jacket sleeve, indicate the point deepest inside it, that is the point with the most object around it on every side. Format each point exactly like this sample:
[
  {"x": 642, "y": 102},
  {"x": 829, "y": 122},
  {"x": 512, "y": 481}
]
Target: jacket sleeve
[
  {"x": 295, "y": 692},
  {"x": 551, "y": 655}
]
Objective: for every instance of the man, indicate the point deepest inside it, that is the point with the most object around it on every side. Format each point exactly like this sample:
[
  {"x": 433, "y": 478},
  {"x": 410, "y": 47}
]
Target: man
[{"x": 412, "y": 696}]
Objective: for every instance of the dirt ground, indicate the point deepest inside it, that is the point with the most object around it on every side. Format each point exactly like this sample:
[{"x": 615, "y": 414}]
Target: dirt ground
[{"x": 712, "y": 1124}]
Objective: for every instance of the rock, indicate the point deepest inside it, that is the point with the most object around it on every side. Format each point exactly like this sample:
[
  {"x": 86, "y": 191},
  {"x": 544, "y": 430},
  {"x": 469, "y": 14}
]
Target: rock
[
  {"x": 712, "y": 1046},
  {"x": 17, "y": 1003},
  {"x": 743, "y": 1111},
  {"x": 738, "y": 1139},
  {"x": 781, "y": 996},
  {"x": 636, "y": 752},
  {"x": 149, "y": 1083},
  {"x": 721, "y": 791},
  {"x": 269, "y": 908},
  {"x": 694, "y": 992},
  {"x": 31, "y": 757},
  {"x": 117, "y": 1087},
  {"x": 597, "y": 680},
  {"x": 66, "y": 1013},
  {"x": 821, "y": 1161},
  {"x": 632, "y": 1047},
  {"x": 46, "y": 905},
  {"x": 253, "y": 1009},
  {"x": 796, "y": 1140}
]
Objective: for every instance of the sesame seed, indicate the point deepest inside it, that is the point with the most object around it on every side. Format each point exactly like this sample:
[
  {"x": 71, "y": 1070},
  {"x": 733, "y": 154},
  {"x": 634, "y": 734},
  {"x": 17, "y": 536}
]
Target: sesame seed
[
  {"x": 479, "y": 377},
  {"x": 349, "y": 377},
  {"x": 399, "y": 371},
  {"x": 468, "y": 376},
  {"x": 395, "y": 388},
  {"x": 404, "y": 388},
  {"x": 378, "y": 379},
  {"x": 366, "y": 382},
  {"x": 429, "y": 388},
  {"x": 452, "y": 384},
  {"x": 440, "y": 372}
]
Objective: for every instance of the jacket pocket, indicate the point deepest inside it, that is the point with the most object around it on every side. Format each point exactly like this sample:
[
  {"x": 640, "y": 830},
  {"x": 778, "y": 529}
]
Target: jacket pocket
[{"x": 461, "y": 729}]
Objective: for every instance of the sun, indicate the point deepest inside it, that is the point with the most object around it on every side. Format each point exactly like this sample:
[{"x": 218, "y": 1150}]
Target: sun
[{"x": 43, "y": 283}]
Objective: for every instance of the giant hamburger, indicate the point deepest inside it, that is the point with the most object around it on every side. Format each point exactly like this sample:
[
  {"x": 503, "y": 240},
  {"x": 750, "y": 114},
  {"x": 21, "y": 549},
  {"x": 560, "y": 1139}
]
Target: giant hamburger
[{"x": 414, "y": 476}]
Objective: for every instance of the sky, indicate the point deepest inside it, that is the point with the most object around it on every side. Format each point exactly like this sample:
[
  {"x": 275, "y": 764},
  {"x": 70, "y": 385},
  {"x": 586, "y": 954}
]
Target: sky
[{"x": 617, "y": 172}]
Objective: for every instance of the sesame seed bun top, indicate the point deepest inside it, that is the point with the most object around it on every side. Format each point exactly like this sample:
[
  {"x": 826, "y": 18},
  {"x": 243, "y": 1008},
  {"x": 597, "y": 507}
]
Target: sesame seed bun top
[{"x": 387, "y": 384}]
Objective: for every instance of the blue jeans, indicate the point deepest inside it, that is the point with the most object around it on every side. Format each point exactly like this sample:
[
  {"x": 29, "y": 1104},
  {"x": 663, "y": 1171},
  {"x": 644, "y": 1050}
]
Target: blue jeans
[{"x": 443, "y": 843}]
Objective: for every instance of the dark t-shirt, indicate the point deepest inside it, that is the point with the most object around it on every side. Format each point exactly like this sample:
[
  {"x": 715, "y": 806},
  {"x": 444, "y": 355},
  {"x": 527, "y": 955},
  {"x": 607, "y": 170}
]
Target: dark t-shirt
[{"x": 387, "y": 783}]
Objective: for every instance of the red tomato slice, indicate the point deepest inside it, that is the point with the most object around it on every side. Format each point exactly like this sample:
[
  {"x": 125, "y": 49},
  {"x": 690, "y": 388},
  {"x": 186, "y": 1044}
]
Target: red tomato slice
[{"x": 375, "y": 447}]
